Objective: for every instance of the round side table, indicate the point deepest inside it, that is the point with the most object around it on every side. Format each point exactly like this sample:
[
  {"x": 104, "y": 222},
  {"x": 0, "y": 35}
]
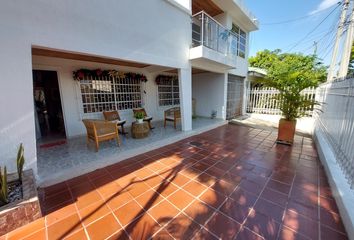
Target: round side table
[{"x": 140, "y": 130}]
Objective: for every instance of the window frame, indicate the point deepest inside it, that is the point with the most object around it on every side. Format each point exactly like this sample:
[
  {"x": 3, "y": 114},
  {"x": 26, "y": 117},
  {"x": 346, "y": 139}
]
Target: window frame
[
  {"x": 240, "y": 35},
  {"x": 174, "y": 84},
  {"x": 101, "y": 101}
]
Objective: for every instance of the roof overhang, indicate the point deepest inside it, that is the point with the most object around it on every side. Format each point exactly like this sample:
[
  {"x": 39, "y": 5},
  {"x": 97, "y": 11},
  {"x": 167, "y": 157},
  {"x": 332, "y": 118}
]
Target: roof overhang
[{"x": 240, "y": 13}]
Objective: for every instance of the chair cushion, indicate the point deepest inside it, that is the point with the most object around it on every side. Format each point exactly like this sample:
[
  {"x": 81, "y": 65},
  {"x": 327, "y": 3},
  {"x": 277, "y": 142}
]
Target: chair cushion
[
  {"x": 170, "y": 118},
  {"x": 147, "y": 118},
  {"x": 120, "y": 122}
]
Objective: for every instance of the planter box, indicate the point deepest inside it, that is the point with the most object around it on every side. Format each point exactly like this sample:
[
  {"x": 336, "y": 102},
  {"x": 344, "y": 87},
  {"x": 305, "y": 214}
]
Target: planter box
[{"x": 24, "y": 211}]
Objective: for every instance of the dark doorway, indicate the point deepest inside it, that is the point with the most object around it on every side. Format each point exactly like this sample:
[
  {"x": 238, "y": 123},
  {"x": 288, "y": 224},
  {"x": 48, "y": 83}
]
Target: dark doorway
[{"x": 49, "y": 115}]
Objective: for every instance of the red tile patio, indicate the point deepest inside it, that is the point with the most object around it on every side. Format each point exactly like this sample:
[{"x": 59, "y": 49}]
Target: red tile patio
[{"x": 229, "y": 183}]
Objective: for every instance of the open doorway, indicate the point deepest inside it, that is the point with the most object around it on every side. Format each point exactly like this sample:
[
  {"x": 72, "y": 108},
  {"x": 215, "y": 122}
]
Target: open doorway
[{"x": 50, "y": 128}]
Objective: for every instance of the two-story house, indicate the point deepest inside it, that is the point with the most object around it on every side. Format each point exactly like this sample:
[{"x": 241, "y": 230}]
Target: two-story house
[{"x": 198, "y": 48}]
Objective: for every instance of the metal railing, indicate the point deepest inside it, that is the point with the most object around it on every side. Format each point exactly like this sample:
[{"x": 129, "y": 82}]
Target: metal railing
[
  {"x": 208, "y": 32},
  {"x": 261, "y": 100},
  {"x": 336, "y": 121}
]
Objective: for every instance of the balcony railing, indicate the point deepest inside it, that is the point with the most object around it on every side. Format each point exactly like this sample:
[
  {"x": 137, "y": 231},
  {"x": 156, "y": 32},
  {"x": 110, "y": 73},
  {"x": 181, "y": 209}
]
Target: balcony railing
[{"x": 207, "y": 32}]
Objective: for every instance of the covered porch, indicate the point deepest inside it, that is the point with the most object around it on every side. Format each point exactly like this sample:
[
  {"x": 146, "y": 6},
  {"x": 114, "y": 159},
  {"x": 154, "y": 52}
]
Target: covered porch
[{"x": 72, "y": 157}]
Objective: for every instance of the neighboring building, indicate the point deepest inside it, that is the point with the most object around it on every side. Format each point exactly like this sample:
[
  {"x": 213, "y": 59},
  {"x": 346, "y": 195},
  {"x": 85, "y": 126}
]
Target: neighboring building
[
  {"x": 255, "y": 74},
  {"x": 43, "y": 42}
]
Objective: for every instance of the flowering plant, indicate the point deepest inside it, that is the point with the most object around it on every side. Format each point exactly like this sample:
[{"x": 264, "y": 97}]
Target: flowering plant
[{"x": 81, "y": 74}]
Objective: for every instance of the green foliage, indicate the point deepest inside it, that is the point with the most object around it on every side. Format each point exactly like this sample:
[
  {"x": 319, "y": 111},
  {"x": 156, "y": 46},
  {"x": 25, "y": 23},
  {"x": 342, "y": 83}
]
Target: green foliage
[
  {"x": 20, "y": 161},
  {"x": 3, "y": 187},
  {"x": 139, "y": 115},
  {"x": 351, "y": 63},
  {"x": 290, "y": 74},
  {"x": 277, "y": 63}
]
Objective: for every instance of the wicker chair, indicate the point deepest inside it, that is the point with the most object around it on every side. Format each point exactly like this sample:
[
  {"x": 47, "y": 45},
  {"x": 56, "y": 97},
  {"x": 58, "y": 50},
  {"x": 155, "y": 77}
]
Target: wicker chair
[
  {"x": 99, "y": 131},
  {"x": 146, "y": 117},
  {"x": 172, "y": 115},
  {"x": 113, "y": 116}
]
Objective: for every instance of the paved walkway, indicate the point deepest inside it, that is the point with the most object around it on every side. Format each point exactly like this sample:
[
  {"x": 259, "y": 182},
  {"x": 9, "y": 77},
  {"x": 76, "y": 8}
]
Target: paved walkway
[
  {"x": 304, "y": 126},
  {"x": 232, "y": 182}
]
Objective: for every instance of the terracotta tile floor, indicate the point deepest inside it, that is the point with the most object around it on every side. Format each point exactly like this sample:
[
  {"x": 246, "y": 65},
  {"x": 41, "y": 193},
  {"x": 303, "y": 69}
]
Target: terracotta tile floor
[{"x": 229, "y": 183}]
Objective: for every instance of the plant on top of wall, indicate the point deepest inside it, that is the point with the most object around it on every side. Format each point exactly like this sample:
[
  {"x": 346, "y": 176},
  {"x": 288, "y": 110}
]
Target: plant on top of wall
[
  {"x": 20, "y": 161},
  {"x": 82, "y": 73},
  {"x": 162, "y": 79},
  {"x": 3, "y": 187}
]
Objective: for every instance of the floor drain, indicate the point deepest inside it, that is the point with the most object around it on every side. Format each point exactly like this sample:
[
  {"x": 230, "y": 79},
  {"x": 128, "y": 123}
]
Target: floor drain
[{"x": 196, "y": 144}]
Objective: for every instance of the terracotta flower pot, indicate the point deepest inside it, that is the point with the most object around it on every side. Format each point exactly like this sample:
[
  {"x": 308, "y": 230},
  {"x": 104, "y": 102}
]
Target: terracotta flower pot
[{"x": 286, "y": 131}]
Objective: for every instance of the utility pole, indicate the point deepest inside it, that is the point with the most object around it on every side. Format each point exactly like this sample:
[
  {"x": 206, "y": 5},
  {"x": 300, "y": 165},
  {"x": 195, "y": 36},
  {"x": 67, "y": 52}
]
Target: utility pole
[
  {"x": 344, "y": 64},
  {"x": 331, "y": 69},
  {"x": 315, "y": 48}
]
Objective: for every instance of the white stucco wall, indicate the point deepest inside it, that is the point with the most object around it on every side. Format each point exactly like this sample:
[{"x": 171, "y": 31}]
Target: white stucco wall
[
  {"x": 70, "y": 92},
  {"x": 153, "y": 32},
  {"x": 209, "y": 91}
]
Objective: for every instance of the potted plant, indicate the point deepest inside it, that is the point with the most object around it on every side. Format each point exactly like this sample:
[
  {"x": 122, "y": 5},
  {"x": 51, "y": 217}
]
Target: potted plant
[
  {"x": 139, "y": 116},
  {"x": 290, "y": 74}
]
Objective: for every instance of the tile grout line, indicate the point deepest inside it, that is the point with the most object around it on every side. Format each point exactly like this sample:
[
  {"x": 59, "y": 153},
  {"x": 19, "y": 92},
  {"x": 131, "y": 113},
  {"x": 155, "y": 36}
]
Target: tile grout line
[
  {"x": 195, "y": 197},
  {"x": 252, "y": 209},
  {"x": 118, "y": 208},
  {"x": 78, "y": 213}
]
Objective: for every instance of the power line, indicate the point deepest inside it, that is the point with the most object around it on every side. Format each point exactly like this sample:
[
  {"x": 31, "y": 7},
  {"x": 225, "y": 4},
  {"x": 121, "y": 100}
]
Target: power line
[
  {"x": 321, "y": 34},
  {"x": 314, "y": 29},
  {"x": 299, "y": 18}
]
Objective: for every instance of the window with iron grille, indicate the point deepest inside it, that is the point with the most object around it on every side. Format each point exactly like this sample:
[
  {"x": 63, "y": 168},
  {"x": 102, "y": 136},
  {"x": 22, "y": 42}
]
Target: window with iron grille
[
  {"x": 110, "y": 93},
  {"x": 168, "y": 91},
  {"x": 241, "y": 39}
]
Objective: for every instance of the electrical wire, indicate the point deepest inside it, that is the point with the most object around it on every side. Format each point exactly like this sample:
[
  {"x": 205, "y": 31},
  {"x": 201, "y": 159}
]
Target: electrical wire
[
  {"x": 314, "y": 29},
  {"x": 299, "y": 18}
]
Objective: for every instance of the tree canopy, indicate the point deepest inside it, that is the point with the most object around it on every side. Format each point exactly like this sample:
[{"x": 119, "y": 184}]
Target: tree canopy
[
  {"x": 290, "y": 73},
  {"x": 280, "y": 66},
  {"x": 351, "y": 63}
]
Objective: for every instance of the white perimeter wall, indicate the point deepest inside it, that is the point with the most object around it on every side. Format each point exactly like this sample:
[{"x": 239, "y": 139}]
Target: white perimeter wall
[
  {"x": 154, "y": 32},
  {"x": 209, "y": 91}
]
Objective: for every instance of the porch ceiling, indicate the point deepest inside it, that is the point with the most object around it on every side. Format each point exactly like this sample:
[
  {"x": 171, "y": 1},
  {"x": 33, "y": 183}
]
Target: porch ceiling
[
  {"x": 207, "y": 6},
  {"x": 88, "y": 58}
]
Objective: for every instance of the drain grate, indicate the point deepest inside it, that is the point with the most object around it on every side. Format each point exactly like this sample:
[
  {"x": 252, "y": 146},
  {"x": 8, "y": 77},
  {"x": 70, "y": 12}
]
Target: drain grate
[{"x": 196, "y": 144}]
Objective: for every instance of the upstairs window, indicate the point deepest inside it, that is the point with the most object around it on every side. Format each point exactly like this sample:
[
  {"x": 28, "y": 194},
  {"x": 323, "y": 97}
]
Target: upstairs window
[{"x": 241, "y": 39}]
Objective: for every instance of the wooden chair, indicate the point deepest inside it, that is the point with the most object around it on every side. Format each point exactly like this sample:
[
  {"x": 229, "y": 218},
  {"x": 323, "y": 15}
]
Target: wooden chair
[
  {"x": 100, "y": 130},
  {"x": 172, "y": 115},
  {"x": 146, "y": 117},
  {"x": 113, "y": 116}
]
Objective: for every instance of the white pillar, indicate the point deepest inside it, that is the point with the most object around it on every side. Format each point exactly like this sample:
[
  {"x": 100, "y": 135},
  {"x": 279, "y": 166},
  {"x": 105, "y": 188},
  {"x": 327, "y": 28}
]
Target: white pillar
[
  {"x": 224, "y": 107},
  {"x": 185, "y": 96}
]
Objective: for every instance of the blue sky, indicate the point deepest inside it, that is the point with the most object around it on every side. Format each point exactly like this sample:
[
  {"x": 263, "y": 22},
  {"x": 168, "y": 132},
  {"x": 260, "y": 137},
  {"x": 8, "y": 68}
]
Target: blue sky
[{"x": 284, "y": 36}]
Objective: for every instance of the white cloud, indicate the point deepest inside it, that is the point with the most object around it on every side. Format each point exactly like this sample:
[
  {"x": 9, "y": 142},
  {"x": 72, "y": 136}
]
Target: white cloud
[{"x": 323, "y": 5}]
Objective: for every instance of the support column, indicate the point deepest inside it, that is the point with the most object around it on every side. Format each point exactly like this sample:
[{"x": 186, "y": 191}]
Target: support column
[
  {"x": 185, "y": 96},
  {"x": 224, "y": 107}
]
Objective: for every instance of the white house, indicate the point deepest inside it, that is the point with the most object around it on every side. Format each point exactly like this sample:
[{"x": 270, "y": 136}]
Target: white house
[{"x": 202, "y": 43}]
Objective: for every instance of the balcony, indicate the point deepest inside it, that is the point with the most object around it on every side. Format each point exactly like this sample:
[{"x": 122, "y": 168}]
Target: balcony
[{"x": 213, "y": 45}]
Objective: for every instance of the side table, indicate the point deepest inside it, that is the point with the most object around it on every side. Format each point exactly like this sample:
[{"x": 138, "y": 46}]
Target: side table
[{"x": 140, "y": 130}]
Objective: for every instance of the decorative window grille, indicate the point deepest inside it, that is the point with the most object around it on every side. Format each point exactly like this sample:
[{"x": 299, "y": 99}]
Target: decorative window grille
[
  {"x": 168, "y": 91},
  {"x": 110, "y": 93},
  {"x": 241, "y": 37}
]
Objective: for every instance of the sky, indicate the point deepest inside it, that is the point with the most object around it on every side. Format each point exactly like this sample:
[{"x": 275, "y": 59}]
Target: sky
[{"x": 294, "y": 36}]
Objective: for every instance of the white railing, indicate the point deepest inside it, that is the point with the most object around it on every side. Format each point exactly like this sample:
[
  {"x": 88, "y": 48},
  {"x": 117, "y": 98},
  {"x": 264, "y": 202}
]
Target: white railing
[
  {"x": 336, "y": 121},
  {"x": 208, "y": 32},
  {"x": 261, "y": 100}
]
